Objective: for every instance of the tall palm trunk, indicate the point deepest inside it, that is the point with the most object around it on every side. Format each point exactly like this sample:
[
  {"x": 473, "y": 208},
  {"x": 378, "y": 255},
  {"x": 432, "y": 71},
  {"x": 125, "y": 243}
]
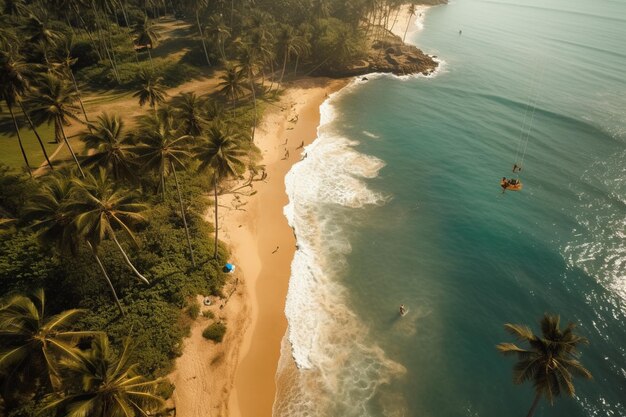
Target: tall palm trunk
[
  {"x": 19, "y": 139},
  {"x": 80, "y": 100},
  {"x": 284, "y": 66},
  {"x": 32, "y": 126},
  {"x": 206, "y": 54},
  {"x": 67, "y": 143},
  {"x": 216, "y": 228},
  {"x": 126, "y": 259},
  {"x": 531, "y": 412},
  {"x": 182, "y": 211},
  {"x": 106, "y": 277},
  {"x": 250, "y": 76}
]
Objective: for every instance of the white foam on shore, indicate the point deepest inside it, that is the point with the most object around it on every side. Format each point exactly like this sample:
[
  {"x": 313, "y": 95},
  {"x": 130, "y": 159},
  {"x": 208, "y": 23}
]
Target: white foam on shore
[
  {"x": 339, "y": 368},
  {"x": 329, "y": 366}
]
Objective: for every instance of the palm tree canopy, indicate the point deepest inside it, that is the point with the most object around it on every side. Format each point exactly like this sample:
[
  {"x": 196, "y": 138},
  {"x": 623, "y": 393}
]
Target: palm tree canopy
[
  {"x": 100, "y": 206},
  {"x": 48, "y": 208},
  {"x": 14, "y": 78},
  {"x": 54, "y": 101},
  {"x": 221, "y": 152},
  {"x": 32, "y": 342},
  {"x": 162, "y": 143},
  {"x": 232, "y": 82},
  {"x": 151, "y": 90},
  {"x": 189, "y": 108},
  {"x": 551, "y": 361},
  {"x": 39, "y": 32},
  {"x": 108, "y": 385},
  {"x": 146, "y": 33},
  {"x": 111, "y": 147}
]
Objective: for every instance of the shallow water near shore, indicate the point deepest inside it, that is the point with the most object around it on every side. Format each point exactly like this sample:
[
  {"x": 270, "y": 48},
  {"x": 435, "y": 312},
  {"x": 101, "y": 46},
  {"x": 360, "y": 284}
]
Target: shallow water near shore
[{"x": 398, "y": 202}]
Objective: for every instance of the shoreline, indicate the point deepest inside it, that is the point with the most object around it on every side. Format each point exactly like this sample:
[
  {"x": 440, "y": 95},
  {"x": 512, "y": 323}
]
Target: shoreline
[
  {"x": 237, "y": 377},
  {"x": 242, "y": 370}
]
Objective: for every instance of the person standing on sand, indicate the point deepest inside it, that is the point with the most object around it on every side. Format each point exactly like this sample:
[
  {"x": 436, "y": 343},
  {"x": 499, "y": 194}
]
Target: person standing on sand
[
  {"x": 301, "y": 145},
  {"x": 402, "y": 310}
]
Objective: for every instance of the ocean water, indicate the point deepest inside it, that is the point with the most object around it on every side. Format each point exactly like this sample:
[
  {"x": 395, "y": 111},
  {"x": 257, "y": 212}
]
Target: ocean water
[{"x": 398, "y": 202}]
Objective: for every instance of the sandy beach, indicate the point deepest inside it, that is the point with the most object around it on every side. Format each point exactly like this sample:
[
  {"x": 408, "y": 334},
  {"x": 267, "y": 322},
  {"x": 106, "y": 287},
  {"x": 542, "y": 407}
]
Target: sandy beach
[{"x": 236, "y": 378}]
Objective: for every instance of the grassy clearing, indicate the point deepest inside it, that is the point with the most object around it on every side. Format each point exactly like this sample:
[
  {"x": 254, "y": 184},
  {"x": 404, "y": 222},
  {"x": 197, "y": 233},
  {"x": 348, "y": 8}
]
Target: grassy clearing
[{"x": 10, "y": 153}]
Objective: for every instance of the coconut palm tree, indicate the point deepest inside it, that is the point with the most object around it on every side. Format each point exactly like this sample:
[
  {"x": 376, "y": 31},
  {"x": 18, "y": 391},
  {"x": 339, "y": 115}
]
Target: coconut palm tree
[
  {"x": 219, "y": 32},
  {"x": 15, "y": 76},
  {"x": 221, "y": 152},
  {"x": 100, "y": 206},
  {"x": 250, "y": 65},
  {"x": 32, "y": 343},
  {"x": 232, "y": 84},
  {"x": 66, "y": 62},
  {"x": 112, "y": 149},
  {"x": 287, "y": 42},
  {"x": 162, "y": 149},
  {"x": 105, "y": 385},
  {"x": 411, "y": 14},
  {"x": 151, "y": 90},
  {"x": 189, "y": 109},
  {"x": 41, "y": 34},
  {"x": 550, "y": 361},
  {"x": 53, "y": 102},
  {"x": 54, "y": 222}
]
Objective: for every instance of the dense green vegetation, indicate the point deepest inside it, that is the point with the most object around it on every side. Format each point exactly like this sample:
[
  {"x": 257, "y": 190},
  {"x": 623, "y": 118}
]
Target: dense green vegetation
[{"x": 111, "y": 230}]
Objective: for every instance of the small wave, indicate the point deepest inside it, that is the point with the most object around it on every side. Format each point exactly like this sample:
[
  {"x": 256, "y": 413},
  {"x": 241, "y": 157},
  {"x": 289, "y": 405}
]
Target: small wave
[
  {"x": 371, "y": 135},
  {"x": 336, "y": 368}
]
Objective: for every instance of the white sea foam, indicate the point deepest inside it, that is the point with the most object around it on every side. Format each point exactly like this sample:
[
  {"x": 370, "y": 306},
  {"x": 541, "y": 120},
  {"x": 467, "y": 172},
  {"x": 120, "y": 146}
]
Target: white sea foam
[
  {"x": 339, "y": 369},
  {"x": 329, "y": 365}
]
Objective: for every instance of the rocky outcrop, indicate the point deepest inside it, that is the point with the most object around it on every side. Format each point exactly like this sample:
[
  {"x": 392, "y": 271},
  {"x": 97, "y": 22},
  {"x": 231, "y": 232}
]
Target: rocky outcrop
[{"x": 389, "y": 54}]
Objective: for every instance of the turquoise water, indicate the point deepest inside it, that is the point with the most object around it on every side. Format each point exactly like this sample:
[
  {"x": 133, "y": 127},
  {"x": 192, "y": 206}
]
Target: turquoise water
[{"x": 398, "y": 202}]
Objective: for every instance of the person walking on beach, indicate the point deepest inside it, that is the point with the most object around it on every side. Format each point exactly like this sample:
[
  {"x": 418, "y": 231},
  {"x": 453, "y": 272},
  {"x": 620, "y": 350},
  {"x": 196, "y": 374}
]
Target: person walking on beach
[
  {"x": 301, "y": 145},
  {"x": 402, "y": 310}
]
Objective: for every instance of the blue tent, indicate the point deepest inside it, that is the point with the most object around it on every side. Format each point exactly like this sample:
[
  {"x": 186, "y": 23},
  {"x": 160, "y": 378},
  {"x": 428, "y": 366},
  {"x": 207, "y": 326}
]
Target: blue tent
[{"x": 229, "y": 267}]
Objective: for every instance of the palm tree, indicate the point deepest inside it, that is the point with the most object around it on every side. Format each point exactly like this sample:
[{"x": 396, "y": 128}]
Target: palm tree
[
  {"x": 221, "y": 152},
  {"x": 147, "y": 35},
  {"x": 40, "y": 34},
  {"x": 13, "y": 84},
  {"x": 66, "y": 64},
  {"x": 112, "y": 148},
  {"x": 411, "y": 14},
  {"x": 219, "y": 32},
  {"x": 550, "y": 362},
  {"x": 163, "y": 149},
  {"x": 250, "y": 64},
  {"x": 54, "y": 222},
  {"x": 189, "y": 108},
  {"x": 288, "y": 42},
  {"x": 33, "y": 343},
  {"x": 15, "y": 78},
  {"x": 151, "y": 91},
  {"x": 54, "y": 103},
  {"x": 100, "y": 206},
  {"x": 232, "y": 84},
  {"x": 105, "y": 385}
]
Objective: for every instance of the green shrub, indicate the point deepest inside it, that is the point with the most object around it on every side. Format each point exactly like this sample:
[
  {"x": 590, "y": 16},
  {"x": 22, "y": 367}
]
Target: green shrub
[
  {"x": 193, "y": 310},
  {"x": 208, "y": 314},
  {"x": 215, "y": 332}
]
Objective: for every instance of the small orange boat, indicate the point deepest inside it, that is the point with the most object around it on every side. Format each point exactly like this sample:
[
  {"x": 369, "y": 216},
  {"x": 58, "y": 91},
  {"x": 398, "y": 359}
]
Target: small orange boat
[{"x": 511, "y": 185}]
